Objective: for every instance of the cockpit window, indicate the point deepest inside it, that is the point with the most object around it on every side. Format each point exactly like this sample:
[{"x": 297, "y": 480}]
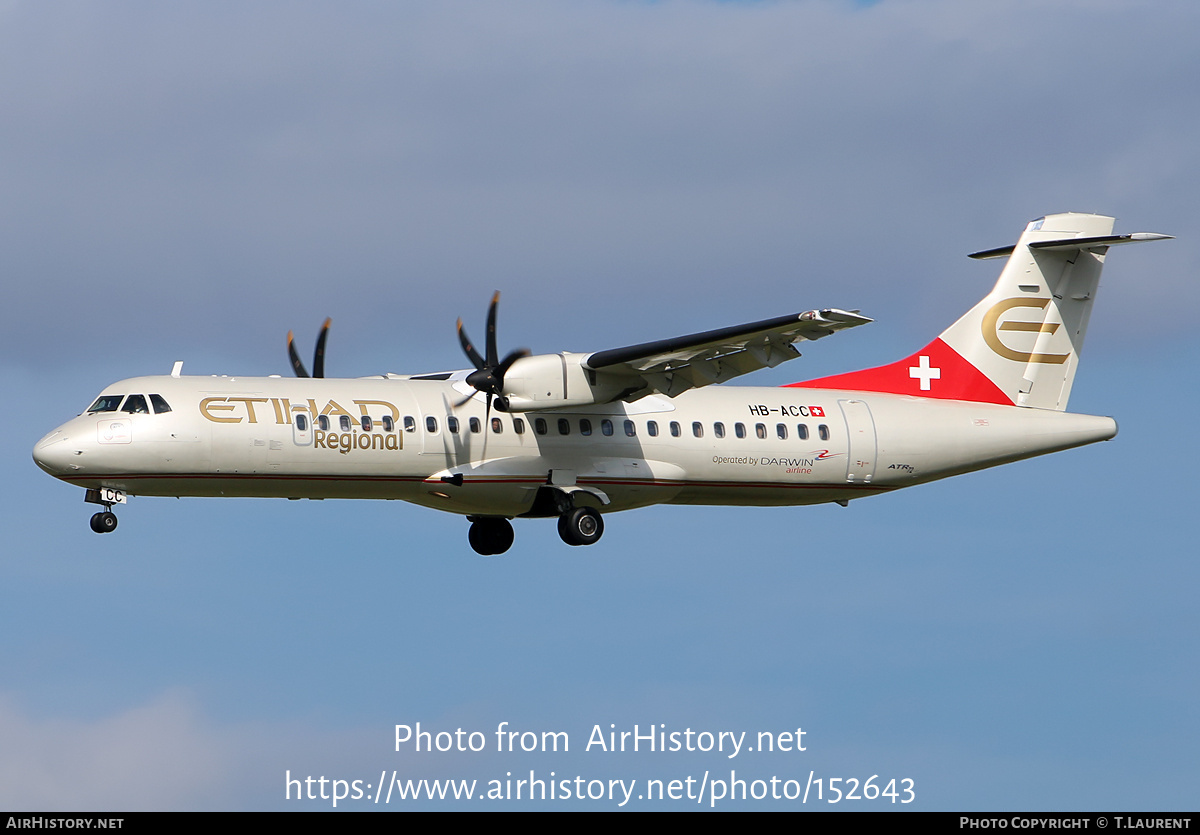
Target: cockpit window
[
  {"x": 160, "y": 405},
  {"x": 106, "y": 403},
  {"x": 135, "y": 404}
]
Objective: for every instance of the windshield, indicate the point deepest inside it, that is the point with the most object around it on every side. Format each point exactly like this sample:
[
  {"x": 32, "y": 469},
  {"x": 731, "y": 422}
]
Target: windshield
[
  {"x": 135, "y": 404},
  {"x": 106, "y": 403}
]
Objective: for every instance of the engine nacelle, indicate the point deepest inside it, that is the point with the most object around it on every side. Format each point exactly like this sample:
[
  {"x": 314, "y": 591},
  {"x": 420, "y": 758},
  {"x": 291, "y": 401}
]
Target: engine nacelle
[{"x": 553, "y": 381}]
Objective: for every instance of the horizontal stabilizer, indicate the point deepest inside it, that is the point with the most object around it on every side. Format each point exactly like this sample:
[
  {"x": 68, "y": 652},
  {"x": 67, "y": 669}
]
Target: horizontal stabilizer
[{"x": 1068, "y": 244}]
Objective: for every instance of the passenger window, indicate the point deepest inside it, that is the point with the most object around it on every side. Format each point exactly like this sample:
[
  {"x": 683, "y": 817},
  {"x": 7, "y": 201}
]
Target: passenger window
[
  {"x": 451, "y": 424},
  {"x": 474, "y": 425},
  {"x": 344, "y": 422},
  {"x": 781, "y": 431},
  {"x": 652, "y": 428},
  {"x": 760, "y": 430},
  {"x": 323, "y": 422},
  {"x": 410, "y": 423},
  {"x": 719, "y": 430},
  {"x": 606, "y": 427},
  {"x": 367, "y": 424},
  {"x": 431, "y": 424},
  {"x": 698, "y": 429},
  {"x": 539, "y": 426},
  {"x": 389, "y": 425},
  {"x": 585, "y": 426},
  {"x": 497, "y": 426},
  {"x": 135, "y": 404},
  {"x": 739, "y": 429},
  {"x": 160, "y": 405},
  {"x": 802, "y": 431},
  {"x": 630, "y": 429},
  {"x": 519, "y": 426},
  {"x": 564, "y": 426},
  {"x": 823, "y": 431},
  {"x": 107, "y": 403},
  {"x": 676, "y": 431},
  {"x": 302, "y": 422}
]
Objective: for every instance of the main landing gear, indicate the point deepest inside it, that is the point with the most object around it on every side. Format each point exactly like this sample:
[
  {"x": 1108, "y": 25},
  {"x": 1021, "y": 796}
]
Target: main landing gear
[
  {"x": 581, "y": 526},
  {"x": 105, "y": 521},
  {"x": 492, "y": 535}
]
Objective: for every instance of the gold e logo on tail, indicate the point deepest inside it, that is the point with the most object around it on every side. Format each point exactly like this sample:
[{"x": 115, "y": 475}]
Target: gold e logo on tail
[{"x": 992, "y": 326}]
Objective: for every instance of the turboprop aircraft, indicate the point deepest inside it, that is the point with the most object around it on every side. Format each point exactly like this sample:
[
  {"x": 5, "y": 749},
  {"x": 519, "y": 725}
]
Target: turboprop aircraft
[{"x": 569, "y": 435}]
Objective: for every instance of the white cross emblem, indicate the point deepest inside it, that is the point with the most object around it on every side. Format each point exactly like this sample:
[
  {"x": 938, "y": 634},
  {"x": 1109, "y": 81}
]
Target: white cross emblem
[{"x": 921, "y": 371}]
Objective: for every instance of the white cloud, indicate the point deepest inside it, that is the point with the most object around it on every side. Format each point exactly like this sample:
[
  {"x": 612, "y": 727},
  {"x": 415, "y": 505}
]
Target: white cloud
[{"x": 160, "y": 755}]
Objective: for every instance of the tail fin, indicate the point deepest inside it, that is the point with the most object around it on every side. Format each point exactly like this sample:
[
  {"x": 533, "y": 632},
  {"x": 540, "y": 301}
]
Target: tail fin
[{"x": 1020, "y": 345}]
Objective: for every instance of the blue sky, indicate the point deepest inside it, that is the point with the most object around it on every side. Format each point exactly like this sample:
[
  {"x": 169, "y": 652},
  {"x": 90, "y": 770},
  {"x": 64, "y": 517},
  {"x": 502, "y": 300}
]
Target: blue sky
[{"x": 190, "y": 181}]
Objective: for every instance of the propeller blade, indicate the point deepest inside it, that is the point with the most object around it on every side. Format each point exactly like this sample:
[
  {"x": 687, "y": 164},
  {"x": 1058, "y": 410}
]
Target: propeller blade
[
  {"x": 319, "y": 354},
  {"x": 520, "y": 353},
  {"x": 464, "y": 401},
  {"x": 487, "y": 425},
  {"x": 493, "y": 356},
  {"x": 297, "y": 366},
  {"x": 467, "y": 347},
  {"x": 488, "y": 376}
]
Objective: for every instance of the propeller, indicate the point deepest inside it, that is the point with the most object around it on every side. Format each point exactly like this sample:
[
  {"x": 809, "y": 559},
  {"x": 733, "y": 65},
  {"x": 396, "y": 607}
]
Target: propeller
[
  {"x": 488, "y": 376},
  {"x": 318, "y": 354}
]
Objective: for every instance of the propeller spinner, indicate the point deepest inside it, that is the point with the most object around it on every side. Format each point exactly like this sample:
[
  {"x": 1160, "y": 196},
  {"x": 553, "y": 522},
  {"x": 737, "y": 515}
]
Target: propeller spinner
[
  {"x": 318, "y": 354},
  {"x": 488, "y": 376}
]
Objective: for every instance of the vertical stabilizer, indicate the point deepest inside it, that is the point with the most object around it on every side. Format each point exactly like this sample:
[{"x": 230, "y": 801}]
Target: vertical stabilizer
[{"x": 1020, "y": 345}]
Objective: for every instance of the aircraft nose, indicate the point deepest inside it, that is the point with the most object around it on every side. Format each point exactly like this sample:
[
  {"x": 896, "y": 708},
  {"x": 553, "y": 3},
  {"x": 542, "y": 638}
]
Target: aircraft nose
[{"x": 55, "y": 454}]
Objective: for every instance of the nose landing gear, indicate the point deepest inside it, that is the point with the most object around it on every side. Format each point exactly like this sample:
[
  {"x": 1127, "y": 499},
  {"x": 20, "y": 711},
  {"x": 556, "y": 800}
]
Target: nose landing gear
[{"x": 105, "y": 521}]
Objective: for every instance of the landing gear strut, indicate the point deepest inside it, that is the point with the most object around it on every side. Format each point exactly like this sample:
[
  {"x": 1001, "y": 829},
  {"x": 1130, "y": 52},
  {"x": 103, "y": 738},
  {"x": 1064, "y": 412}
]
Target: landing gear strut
[
  {"x": 490, "y": 535},
  {"x": 105, "y": 521},
  {"x": 581, "y": 526}
]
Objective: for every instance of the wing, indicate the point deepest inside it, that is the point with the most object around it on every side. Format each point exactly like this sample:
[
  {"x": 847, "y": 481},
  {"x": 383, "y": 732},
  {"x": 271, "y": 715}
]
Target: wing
[{"x": 672, "y": 366}]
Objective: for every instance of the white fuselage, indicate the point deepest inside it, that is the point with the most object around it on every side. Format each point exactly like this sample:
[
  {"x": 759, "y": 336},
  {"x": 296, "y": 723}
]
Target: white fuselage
[{"x": 307, "y": 438}]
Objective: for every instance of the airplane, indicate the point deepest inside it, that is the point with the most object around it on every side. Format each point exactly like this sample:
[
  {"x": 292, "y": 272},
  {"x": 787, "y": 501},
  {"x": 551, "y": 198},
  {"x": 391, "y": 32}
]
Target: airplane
[{"x": 569, "y": 435}]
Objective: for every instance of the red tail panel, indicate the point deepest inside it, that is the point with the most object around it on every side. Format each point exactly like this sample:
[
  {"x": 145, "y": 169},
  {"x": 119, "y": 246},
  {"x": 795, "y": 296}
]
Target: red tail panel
[{"x": 937, "y": 371}]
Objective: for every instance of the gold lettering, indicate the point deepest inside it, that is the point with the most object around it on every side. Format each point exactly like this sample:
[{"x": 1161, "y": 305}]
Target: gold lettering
[
  {"x": 334, "y": 408},
  {"x": 210, "y": 404},
  {"x": 280, "y": 415},
  {"x": 249, "y": 401},
  {"x": 991, "y": 328},
  {"x": 363, "y": 404},
  {"x": 1030, "y": 327}
]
